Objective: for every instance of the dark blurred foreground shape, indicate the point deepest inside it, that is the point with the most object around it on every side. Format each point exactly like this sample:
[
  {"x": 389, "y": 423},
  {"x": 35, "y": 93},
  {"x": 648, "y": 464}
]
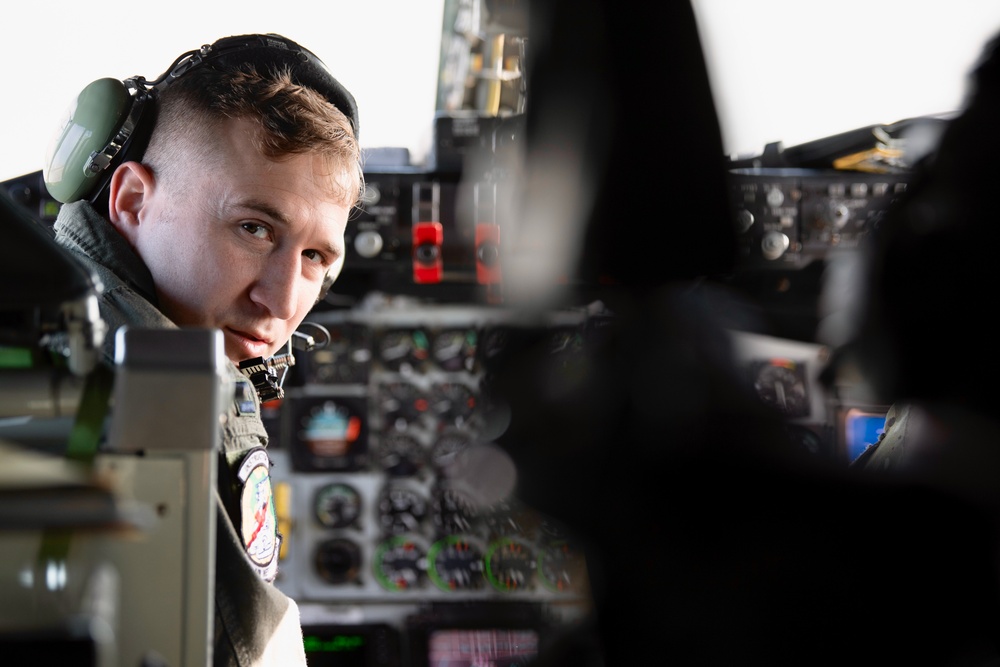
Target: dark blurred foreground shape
[
  {"x": 925, "y": 338},
  {"x": 933, "y": 265},
  {"x": 711, "y": 540}
]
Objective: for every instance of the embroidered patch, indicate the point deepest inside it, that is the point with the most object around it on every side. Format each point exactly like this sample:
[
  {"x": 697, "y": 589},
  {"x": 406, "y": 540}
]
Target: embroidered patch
[{"x": 258, "y": 518}]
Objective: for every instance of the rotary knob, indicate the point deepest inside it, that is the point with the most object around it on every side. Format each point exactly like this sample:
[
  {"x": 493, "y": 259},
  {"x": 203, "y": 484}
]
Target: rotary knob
[
  {"x": 744, "y": 221},
  {"x": 368, "y": 243},
  {"x": 774, "y": 245},
  {"x": 775, "y": 197},
  {"x": 837, "y": 214}
]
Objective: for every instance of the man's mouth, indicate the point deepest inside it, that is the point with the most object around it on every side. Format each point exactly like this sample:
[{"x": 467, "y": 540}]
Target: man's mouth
[{"x": 246, "y": 344}]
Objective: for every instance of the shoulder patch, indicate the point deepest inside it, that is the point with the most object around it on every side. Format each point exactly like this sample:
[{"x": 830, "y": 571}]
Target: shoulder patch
[{"x": 258, "y": 518}]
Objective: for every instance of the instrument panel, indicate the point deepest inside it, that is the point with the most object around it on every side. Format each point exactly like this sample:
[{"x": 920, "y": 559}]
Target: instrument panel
[
  {"x": 373, "y": 434},
  {"x": 787, "y": 218},
  {"x": 371, "y": 447}
]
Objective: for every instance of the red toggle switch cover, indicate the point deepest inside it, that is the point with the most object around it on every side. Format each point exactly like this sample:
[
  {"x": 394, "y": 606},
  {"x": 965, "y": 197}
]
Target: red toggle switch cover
[
  {"x": 488, "y": 254},
  {"x": 427, "y": 263}
]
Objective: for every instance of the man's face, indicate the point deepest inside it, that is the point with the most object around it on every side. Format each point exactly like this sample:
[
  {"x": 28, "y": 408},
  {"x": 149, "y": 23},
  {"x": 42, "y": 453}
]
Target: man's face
[{"x": 242, "y": 243}]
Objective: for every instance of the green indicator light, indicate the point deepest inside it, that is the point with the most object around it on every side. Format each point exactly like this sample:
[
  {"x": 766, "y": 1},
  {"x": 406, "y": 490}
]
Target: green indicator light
[{"x": 50, "y": 208}]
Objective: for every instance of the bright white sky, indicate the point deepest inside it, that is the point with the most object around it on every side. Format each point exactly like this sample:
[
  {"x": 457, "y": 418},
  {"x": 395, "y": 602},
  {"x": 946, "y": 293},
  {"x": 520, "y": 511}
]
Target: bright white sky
[
  {"x": 384, "y": 51},
  {"x": 798, "y": 70},
  {"x": 783, "y": 70}
]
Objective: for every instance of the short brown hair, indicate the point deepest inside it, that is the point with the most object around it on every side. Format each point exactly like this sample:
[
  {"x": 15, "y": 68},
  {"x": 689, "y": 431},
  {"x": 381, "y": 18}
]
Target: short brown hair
[{"x": 293, "y": 119}]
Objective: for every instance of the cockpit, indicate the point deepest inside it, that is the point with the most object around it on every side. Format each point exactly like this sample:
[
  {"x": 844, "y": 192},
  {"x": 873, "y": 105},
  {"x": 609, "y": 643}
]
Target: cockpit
[{"x": 583, "y": 392}]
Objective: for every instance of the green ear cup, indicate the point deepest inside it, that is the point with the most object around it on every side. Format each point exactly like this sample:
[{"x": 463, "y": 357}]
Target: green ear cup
[{"x": 91, "y": 123}]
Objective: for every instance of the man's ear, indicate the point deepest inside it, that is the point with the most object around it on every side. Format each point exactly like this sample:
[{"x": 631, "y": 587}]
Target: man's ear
[{"x": 130, "y": 186}]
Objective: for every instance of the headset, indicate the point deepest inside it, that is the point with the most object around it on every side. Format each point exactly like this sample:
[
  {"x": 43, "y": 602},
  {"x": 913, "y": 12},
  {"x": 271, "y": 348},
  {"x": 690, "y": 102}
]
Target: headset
[{"x": 110, "y": 121}]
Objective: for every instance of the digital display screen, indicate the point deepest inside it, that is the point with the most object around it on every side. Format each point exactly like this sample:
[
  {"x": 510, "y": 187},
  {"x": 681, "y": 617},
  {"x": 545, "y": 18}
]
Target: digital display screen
[
  {"x": 342, "y": 650},
  {"x": 362, "y": 645},
  {"x": 481, "y": 647},
  {"x": 862, "y": 428}
]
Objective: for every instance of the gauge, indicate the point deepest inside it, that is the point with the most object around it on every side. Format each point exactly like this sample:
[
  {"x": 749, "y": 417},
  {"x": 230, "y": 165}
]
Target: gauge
[
  {"x": 453, "y": 403},
  {"x": 330, "y": 428},
  {"x": 455, "y": 563},
  {"x": 400, "y": 455},
  {"x": 447, "y": 448},
  {"x": 455, "y": 349},
  {"x": 781, "y": 384},
  {"x": 552, "y": 530},
  {"x": 329, "y": 433},
  {"x": 560, "y": 567},
  {"x": 338, "y": 561},
  {"x": 344, "y": 360},
  {"x": 337, "y": 505},
  {"x": 506, "y": 519},
  {"x": 400, "y": 563},
  {"x": 495, "y": 341},
  {"x": 453, "y": 511},
  {"x": 401, "y": 404},
  {"x": 401, "y": 509},
  {"x": 403, "y": 349},
  {"x": 565, "y": 340},
  {"x": 565, "y": 348},
  {"x": 510, "y": 565}
]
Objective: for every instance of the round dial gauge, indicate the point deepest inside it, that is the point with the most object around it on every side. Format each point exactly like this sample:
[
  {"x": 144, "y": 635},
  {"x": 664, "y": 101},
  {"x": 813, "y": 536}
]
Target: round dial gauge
[
  {"x": 338, "y": 561},
  {"x": 403, "y": 349},
  {"x": 447, "y": 448},
  {"x": 510, "y": 565},
  {"x": 453, "y": 511},
  {"x": 401, "y": 509},
  {"x": 337, "y": 505},
  {"x": 782, "y": 385},
  {"x": 560, "y": 567},
  {"x": 565, "y": 341},
  {"x": 401, "y": 404},
  {"x": 495, "y": 341},
  {"x": 453, "y": 403},
  {"x": 344, "y": 359},
  {"x": 455, "y": 349},
  {"x": 400, "y": 563},
  {"x": 400, "y": 455},
  {"x": 507, "y": 519},
  {"x": 328, "y": 433},
  {"x": 455, "y": 563}
]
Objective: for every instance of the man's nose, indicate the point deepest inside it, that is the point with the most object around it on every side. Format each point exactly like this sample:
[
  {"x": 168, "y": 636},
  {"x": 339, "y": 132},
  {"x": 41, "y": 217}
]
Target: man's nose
[{"x": 277, "y": 284}]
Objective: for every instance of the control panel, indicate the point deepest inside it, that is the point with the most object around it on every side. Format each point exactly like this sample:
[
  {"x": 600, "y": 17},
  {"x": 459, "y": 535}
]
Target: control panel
[
  {"x": 422, "y": 232},
  {"x": 788, "y": 218},
  {"x": 393, "y": 499}
]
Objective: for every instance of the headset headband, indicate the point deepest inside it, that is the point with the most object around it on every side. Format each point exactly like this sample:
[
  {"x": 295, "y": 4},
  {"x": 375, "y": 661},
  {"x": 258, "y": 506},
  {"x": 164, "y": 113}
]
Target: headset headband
[{"x": 111, "y": 120}]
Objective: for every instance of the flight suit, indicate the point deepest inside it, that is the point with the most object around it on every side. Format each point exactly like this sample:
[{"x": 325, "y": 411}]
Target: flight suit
[{"x": 255, "y": 623}]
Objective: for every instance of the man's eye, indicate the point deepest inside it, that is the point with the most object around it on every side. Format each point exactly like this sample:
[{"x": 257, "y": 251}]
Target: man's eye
[
  {"x": 260, "y": 231},
  {"x": 314, "y": 255}
]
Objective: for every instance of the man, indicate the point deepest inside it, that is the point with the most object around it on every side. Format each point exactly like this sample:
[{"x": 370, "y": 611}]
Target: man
[{"x": 233, "y": 218}]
